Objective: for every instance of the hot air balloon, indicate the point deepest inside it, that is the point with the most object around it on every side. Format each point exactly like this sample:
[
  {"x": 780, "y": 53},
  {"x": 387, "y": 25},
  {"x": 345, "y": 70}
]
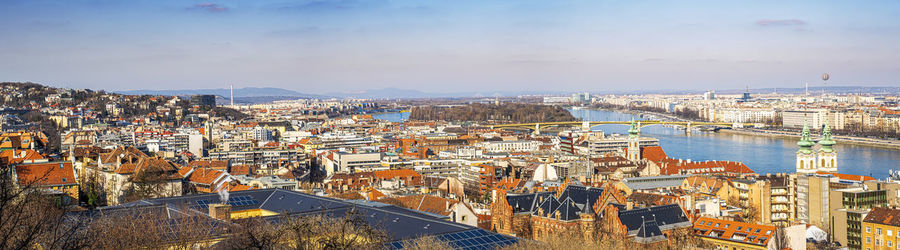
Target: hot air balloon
[{"x": 825, "y": 77}]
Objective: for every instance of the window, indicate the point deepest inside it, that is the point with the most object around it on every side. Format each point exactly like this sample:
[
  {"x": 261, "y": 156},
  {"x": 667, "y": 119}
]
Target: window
[
  {"x": 878, "y": 231},
  {"x": 768, "y": 232},
  {"x": 868, "y": 229},
  {"x": 718, "y": 224},
  {"x": 877, "y": 242},
  {"x": 890, "y": 243},
  {"x": 868, "y": 240},
  {"x": 727, "y": 225}
]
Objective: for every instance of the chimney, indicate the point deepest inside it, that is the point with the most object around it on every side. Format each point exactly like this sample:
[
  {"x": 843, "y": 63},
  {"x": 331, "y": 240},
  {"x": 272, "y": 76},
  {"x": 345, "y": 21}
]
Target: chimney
[{"x": 220, "y": 211}]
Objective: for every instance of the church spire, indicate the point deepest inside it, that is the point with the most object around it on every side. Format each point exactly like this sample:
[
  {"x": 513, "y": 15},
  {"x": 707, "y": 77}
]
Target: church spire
[
  {"x": 805, "y": 142},
  {"x": 826, "y": 141},
  {"x": 634, "y": 130}
]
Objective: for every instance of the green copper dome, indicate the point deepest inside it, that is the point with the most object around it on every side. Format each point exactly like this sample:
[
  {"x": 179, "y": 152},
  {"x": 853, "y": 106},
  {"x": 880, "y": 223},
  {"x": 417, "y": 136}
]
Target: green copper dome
[
  {"x": 805, "y": 142},
  {"x": 826, "y": 141},
  {"x": 633, "y": 131}
]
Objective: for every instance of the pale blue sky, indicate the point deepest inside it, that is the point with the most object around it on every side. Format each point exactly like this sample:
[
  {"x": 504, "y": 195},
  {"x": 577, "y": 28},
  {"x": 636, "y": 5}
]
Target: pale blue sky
[{"x": 449, "y": 46}]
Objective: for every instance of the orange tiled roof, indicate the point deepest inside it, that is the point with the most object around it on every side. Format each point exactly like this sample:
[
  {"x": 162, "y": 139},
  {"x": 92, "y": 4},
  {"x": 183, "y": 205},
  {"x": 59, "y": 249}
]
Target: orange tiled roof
[
  {"x": 220, "y": 165},
  {"x": 20, "y": 156},
  {"x": 205, "y": 175},
  {"x": 427, "y": 203},
  {"x": 849, "y": 177},
  {"x": 152, "y": 164},
  {"x": 654, "y": 153},
  {"x": 884, "y": 216},
  {"x": 241, "y": 170},
  {"x": 394, "y": 173},
  {"x": 46, "y": 174},
  {"x": 747, "y": 233}
]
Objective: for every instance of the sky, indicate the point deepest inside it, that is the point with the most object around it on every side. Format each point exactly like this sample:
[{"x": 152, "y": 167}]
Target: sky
[{"x": 325, "y": 46}]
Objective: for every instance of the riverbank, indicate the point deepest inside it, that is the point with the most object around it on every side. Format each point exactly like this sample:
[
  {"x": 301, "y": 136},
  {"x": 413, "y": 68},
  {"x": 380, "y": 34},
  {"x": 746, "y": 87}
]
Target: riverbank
[{"x": 885, "y": 144}]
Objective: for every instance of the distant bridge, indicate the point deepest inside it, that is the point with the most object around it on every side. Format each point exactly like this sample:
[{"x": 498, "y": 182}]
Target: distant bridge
[{"x": 586, "y": 125}]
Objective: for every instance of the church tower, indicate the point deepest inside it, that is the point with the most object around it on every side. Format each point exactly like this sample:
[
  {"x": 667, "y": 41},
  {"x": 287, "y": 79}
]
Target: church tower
[
  {"x": 634, "y": 149},
  {"x": 806, "y": 159},
  {"x": 827, "y": 157}
]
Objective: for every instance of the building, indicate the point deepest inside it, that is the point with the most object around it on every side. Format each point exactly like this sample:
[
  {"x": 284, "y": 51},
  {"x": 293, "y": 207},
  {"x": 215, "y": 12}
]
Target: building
[
  {"x": 815, "y": 118},
  {"x": 634, "y": 150},
  {"x": 57, "y": 178},
  {"x": 456, "y": 211},
  {"x": 398, "y": 223},
  {"x": 510, "y": 146},
  {"x": 881, "y": 229},
  {"x": 824, "y": 159},
  {"x": 848, "y": 208},
  {"x": 726, "y": 234},
  {"x": 615, "y": 145}
]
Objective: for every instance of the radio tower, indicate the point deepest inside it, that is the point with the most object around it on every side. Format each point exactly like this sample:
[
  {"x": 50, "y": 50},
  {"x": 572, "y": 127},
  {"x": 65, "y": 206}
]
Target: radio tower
[{"x": 232, "y": 95}]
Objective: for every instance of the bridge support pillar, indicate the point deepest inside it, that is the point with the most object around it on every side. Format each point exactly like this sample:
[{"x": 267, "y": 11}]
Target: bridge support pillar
[
  {"x": 586, "y": 126},
  {"x": 687, "y": 129},
  {"x": 537, "y": 129}
]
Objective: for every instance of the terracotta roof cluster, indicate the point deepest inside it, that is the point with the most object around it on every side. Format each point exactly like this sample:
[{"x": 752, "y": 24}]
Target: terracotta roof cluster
[
  {"x": 654, "y": 153},
  {"x": 748, "y": 233},
  {"x": 670, "y": 166},
  {"x": 394, "y": 173},
  {"x": 121, "y": 153},
  {"x": 46, "y": 174},
  {"x": 20, "y": 156},
  {"x": 884, "y": 216},
  {"x": 149, "y": 164},
  {"x": 712, "y": 184},
  {"x": 427, "y": 203},
  {"x": 218, "y": 165},
  {"x": 650, "y": 199},
  {"x": 22, "y": 140},
  {"x": 849, "y": 177},
  {"x": 242, "y": 170}
]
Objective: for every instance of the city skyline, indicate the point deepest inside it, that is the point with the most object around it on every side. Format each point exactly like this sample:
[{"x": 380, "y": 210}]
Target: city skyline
[{"x": 322, "y": 47}]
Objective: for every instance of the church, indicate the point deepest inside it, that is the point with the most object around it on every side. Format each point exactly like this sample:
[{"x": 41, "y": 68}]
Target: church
[{"x": 812, "y": 159}]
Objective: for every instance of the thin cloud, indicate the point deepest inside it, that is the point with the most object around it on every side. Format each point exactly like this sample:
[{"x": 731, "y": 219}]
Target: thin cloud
[
  {"x": 780, "y": 22},
  {"x": 209, "y": 7}
]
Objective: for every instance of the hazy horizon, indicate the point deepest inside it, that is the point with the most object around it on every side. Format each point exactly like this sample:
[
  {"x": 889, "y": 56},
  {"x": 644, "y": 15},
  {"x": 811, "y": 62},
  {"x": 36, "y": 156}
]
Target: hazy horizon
[{"x": 321, "y": 47}]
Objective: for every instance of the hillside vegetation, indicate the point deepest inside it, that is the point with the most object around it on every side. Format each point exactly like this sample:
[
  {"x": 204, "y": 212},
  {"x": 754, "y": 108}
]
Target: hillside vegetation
[{"x": 505, "y": 113}]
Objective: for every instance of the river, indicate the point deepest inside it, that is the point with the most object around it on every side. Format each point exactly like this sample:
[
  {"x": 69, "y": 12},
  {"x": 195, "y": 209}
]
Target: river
[{"x": 762, "y": 154}]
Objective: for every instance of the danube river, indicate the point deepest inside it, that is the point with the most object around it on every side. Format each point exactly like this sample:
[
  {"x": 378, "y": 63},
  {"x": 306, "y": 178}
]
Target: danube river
[{"x": 762, "y": 154}]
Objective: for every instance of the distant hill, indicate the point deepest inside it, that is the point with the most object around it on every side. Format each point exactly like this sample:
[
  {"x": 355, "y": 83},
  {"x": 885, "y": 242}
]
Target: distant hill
[
  {"x": 223, "y": 92},
  {"x": 395, "y": 93}
]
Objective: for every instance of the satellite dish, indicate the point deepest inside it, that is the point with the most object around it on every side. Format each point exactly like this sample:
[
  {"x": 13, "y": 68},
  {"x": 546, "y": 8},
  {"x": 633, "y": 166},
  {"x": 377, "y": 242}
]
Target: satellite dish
[{"x": 825, "y": 77}]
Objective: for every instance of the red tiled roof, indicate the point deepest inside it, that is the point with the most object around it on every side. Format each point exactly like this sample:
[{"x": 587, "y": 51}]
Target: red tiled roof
[
  {"x": 394, "y": 173},
  {"x": 849, "y": 177},
  {"x": 427, "y": 203},
  {"x": 884, "y": 216},
  {"x": 19, "y": 156},
  {"x": 220, "y": 165},
  {"x": 205, "y": 176},
  {"x": 46, "y": 174},
  {"x": 746, "y": 233},
  {"x": 241, "y": 170},
  {"x": 654, "y": 153}
]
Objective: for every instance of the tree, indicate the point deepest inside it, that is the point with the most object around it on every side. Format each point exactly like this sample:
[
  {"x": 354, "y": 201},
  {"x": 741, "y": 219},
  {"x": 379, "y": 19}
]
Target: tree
[{"x": 781, "y": 240}]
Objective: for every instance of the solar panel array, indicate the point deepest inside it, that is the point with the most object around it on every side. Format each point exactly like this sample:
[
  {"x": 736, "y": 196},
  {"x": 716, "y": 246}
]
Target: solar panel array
[
  {"x": 243, "y": 200},
  {"x": 469, "y": 240}
]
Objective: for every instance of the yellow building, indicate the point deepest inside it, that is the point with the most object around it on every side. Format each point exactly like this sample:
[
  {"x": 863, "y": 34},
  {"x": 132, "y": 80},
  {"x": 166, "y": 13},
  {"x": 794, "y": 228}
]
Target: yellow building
[{"x": 881, "y": 229}]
